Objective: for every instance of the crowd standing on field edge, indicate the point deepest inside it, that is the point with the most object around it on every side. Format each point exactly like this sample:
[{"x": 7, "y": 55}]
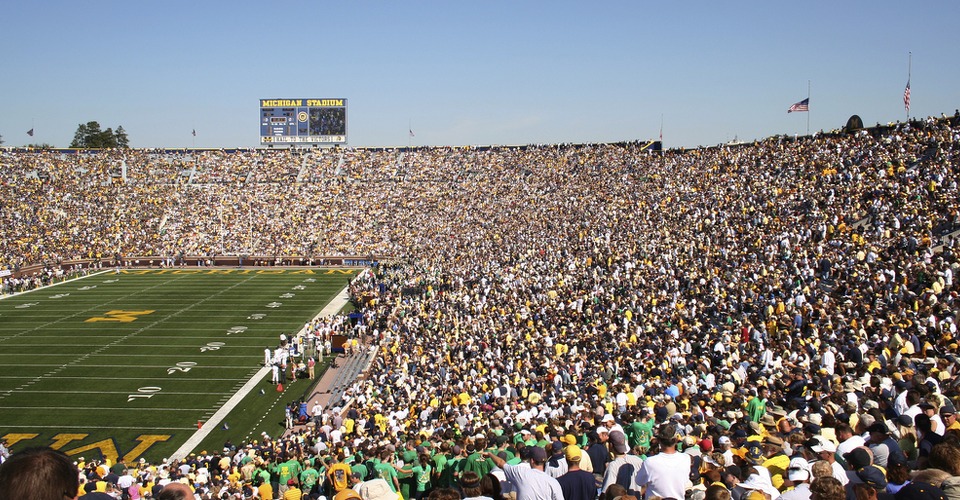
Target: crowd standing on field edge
[{"x": 770, "y": 320}]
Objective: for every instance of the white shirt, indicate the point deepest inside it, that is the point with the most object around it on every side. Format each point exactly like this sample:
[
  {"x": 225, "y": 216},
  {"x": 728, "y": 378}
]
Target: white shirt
[
  {"x": 665, "y": 475},
  {"x": 532, "y": 484},
  {"x": 848, "y": 445}
]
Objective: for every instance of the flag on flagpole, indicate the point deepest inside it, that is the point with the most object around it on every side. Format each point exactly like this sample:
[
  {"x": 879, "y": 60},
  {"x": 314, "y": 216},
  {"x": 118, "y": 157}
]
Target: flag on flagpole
[
  {"x": 906, "y": 96},
  {"x": 30, "y": 132},
  {"x": 803, "y": 105},
  {"x": 194, "y": 132},
  {"x": 411, "y": 132}
]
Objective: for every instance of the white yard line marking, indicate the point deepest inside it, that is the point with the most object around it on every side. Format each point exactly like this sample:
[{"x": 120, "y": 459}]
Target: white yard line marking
[
  {"x": 71, "y": 377},
  {"x": 213, "y": 422},
  {"x": 80, "y": 359},
  {"x": 98, "y": 408},
  {"x": 112, "y": 366},
  {"x": 69, "y": 355},
  {"x": 218, "y": 417},
  {"x": 42, "y": 288},
  {"x": 165, "y": 392},
  {"x": 65, "y": 427}
]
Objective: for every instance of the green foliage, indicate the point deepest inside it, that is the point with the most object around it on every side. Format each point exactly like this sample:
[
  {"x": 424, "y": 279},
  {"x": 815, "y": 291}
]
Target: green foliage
[
  {"x": 39, "y": 146},
  {"x": 89, "y": 136}
]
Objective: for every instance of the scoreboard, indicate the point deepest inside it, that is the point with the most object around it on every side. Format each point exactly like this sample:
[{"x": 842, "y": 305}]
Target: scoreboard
[{"x": 303, "y": 121}]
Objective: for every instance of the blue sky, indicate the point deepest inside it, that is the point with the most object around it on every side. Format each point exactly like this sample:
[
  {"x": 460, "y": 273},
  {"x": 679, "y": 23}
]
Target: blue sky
[{"x": 459, "y": 73}]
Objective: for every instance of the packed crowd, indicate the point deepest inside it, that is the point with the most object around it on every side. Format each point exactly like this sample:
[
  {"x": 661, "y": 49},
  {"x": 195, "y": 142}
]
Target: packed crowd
[{"x": 770, "y": 320}]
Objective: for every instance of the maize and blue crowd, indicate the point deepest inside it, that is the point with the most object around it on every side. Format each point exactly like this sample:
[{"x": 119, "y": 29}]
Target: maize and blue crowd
[{"x": 565, "y": 322}]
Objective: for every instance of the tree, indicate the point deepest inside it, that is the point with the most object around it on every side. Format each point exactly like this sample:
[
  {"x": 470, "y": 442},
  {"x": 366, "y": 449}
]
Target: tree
[
  {"x": 39, "y": 146},
  {"x": 121, "y": 136},
  {"x": 89, "y": 135},
  {"x": 1, "y": 140}
]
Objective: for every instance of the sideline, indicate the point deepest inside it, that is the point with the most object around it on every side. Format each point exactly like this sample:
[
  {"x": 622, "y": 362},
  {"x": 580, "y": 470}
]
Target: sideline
[
  {"x": 17, "y": 294},
  {"x": 333, "y": 307}
]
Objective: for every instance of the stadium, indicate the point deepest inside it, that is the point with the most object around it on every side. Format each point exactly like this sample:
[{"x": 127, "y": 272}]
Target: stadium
[{"x": 744, "y": 305}]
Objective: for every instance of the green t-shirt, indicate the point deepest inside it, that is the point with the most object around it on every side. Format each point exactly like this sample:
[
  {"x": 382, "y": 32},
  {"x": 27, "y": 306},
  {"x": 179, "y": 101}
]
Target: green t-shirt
[
  {"x": 478, "y": 463},
  {"x": 422, "y": 473},
  {"x": 640, "y": 433},
  {"x": 386, "y": 472},
  {"x": 756, "y": 408},
  {"x": 289, "y": 470},
  {"x": 309, "y": 478}
]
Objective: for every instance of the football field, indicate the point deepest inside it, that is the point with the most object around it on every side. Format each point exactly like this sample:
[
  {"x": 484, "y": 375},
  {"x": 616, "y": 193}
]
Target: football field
[{"x": 126, "y": 365}]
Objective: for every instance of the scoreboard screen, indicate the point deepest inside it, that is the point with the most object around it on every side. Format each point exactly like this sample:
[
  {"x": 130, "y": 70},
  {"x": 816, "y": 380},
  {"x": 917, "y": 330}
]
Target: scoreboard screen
[{"x": 303, "y": 121}]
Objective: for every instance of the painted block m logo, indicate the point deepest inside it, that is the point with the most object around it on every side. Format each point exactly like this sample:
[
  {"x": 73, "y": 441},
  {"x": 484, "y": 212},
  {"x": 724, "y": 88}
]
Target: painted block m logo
[{"x": 119, "y": 316}]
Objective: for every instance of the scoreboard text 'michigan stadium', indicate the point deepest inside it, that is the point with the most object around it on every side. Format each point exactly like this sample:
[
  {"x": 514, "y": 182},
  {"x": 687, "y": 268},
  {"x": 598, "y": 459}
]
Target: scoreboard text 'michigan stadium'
[{"x": 303, "y": 121}]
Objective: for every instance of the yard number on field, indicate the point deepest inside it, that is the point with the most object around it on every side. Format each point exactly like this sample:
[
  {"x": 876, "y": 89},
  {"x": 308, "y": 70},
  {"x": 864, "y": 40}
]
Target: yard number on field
[
  {"x": 212, "y": 346},
  {"x": 144, "y": 393},
  {"x": 183, "y": 367}
]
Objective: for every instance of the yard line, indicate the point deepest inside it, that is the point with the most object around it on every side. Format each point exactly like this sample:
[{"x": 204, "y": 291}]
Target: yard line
[
  {"x": 98, "y": 408},
  {"x": 82, "y": 358},
  {"x": 172, "y": 337},
  {"x": 126, "y": 355},
  {"x": 180, "y": 347},
  {"x": 129, "y": 366},
  {"x": 77, "y": 377},
  {"x": 85, "y": 311},
  {"x": 210, "y": 424},
  {"x": 18, "y": 426},
  {"x": 213, "y": 422},
  {"x": 71, "y": 280},
  {"x": 165, "y": 393}
]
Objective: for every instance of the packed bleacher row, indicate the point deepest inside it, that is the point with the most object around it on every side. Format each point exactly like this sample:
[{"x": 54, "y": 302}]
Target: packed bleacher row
[{"x": 753, "y": 321}]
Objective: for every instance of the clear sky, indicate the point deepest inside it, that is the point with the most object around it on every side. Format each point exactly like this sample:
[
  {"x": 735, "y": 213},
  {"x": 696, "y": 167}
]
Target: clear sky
[{"x": 480, "y": 72}]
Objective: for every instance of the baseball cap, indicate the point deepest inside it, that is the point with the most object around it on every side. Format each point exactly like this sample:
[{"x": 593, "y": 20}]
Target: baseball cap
[
  {"x": 536, "y": 453},
  {"x": 347, "y": 494},
  {"x": 798, "y": 470},
  {"x": 823, "y": 444},
  {"x": 919, "y": 490},
  {"x": 857, "y": 458},
  {"x": 878, "y": 427},
  {"x": 573, "y": 453},
  {"x": 619, "y": 442},
  {"x": 754, "y": 453}
]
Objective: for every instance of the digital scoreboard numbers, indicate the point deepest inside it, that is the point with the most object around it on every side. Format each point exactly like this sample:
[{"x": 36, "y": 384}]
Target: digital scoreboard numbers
[{"x": 303, "y": 121}]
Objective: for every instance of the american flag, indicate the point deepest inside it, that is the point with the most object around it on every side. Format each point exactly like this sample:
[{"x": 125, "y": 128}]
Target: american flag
[
  {"x": 803, "y": 105},
  {"x": 410, "y": 130},
  {"x": 906, "y": 96}
]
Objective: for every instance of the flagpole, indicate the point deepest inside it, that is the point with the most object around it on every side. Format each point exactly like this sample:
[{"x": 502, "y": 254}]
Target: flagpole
[
  {"x": 909, "y": 71},
  {"x": 808, "y": 107},
  {"x": 663, "y": 158}
]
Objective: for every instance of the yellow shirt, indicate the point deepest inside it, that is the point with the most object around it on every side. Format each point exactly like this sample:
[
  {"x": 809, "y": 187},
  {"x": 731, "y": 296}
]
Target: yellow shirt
[{"x": 266, "y": 491}]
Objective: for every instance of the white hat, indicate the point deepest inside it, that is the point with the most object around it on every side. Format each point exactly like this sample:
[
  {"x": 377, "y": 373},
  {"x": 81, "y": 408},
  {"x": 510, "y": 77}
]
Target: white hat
[
  {"x": 607, "y": 418},
  {"x": 798, "y": 470},
  {"x": 823, "y": 444}
]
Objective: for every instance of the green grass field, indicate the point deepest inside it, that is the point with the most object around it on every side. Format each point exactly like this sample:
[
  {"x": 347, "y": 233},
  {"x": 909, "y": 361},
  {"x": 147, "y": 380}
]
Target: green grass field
[{"x": 125, "y": 365}]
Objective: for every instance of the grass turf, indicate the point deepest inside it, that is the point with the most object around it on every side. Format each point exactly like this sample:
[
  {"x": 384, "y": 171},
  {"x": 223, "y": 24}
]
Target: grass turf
[{"x": 125, "y": 365}]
